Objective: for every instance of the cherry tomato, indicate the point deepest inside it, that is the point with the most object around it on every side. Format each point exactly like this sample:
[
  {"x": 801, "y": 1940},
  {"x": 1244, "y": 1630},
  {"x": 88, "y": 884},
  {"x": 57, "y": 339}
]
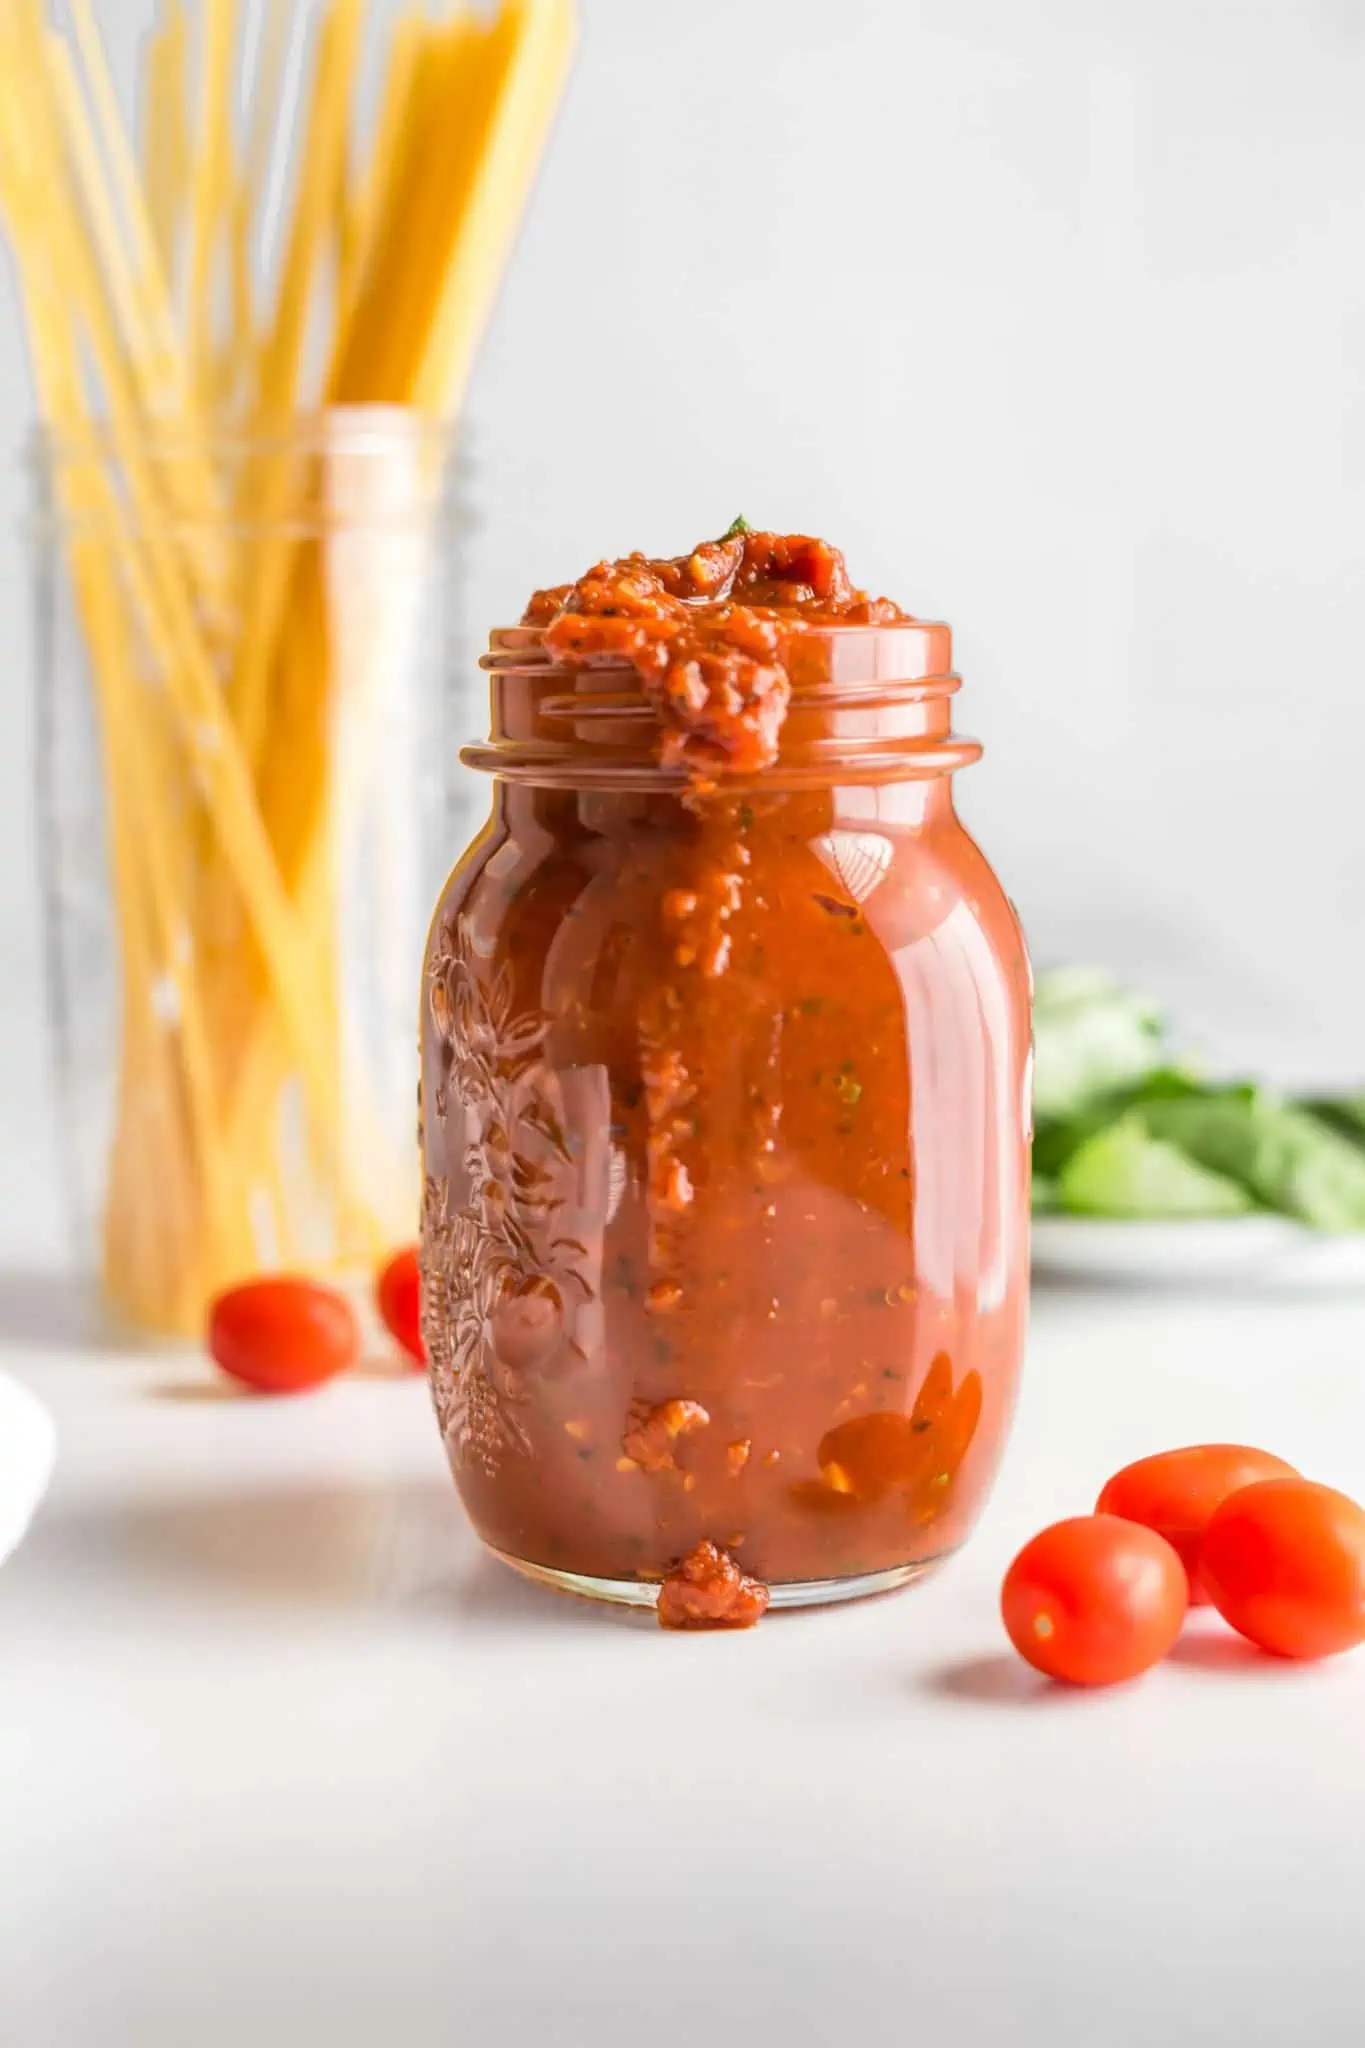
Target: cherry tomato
[
  {"x": 1094, "y": 1600},
  {"x": 398, "y": 1292},
  {"x": 1177, "y": 1492},
  {"x": 1284, "y": 1562},
  {"x": 282, "y": 1334}
]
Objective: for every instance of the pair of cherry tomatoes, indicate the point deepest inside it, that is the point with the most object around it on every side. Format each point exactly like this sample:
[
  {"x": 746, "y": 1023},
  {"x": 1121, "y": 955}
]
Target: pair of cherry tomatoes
[
  {"x": 1101, "y": 1597},
  {"x": 283, "y": 1333}
]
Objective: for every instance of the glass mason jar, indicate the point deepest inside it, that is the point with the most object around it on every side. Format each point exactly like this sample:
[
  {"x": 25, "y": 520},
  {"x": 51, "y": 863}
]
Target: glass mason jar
[
  {"x": 725, "y": 1108},
  {"x": 242, "y": 665}
]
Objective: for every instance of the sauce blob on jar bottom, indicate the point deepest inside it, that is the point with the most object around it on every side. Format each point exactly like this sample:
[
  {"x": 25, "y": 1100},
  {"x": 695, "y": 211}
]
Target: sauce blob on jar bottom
[{"x": 707, "y": 1589}]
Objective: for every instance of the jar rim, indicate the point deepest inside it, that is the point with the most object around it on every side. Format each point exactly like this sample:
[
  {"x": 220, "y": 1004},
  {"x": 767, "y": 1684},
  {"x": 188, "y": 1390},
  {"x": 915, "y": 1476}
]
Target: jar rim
[
  {"x": 868, "y": 703},
  {"x": 376, "y": 467},
  {"x": 909, "y": 651},
  {"x": 362, "y": 429}
]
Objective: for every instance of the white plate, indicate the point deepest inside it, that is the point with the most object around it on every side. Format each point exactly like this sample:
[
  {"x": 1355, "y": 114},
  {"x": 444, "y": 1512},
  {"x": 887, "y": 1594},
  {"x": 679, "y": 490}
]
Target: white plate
[
  {"x": 28, "y": 1443},
  {"x": 1256, "y": 1250}
]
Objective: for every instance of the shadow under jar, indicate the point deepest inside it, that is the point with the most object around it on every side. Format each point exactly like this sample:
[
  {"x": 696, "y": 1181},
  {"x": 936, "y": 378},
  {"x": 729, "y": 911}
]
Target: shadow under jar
[{"x": 725, "y": 1230}]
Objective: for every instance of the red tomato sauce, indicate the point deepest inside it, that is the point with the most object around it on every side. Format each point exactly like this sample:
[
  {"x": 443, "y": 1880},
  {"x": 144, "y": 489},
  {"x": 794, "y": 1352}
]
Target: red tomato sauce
[
  {"x": 706, "y": 633},
  {"x": 724, "y": 1047}
]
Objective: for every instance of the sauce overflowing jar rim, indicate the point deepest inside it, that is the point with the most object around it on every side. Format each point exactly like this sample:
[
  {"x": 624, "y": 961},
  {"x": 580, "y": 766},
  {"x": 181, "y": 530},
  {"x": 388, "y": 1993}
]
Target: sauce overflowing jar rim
[{"x": 868, "y": 703}]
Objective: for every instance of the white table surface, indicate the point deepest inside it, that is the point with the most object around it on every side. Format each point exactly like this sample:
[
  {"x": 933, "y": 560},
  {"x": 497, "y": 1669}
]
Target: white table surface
[{"x": 284, "y": 1759}]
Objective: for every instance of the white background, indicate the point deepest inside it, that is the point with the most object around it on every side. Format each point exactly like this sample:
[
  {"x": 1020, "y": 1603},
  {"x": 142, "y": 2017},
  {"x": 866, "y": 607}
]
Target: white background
[
  {"x": 1052, "y": 312},
  {"x": 285, "y": 1762}
]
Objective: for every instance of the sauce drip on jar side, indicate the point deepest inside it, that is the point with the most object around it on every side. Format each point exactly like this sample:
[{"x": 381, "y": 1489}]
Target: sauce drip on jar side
[{"x": 706, "y": 634}]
